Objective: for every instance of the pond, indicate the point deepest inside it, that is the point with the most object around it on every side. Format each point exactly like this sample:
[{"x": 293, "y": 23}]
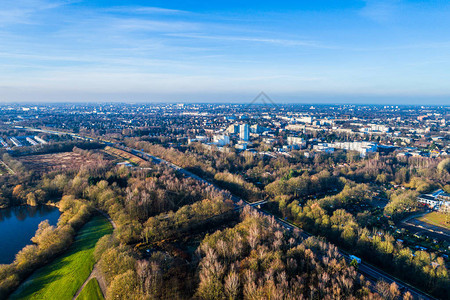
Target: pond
[{"x": 18, "y": 225}]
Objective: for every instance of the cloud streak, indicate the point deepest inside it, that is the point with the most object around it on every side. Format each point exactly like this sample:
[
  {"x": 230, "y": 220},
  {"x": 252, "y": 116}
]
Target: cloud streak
[
  {"x": 381, "y": 10},
  {"x": 69, "y": 46},
  {"x": 281, "y": 42},
  {"x": 145, "y": 10},
  {"x": 23, "y": 11}
]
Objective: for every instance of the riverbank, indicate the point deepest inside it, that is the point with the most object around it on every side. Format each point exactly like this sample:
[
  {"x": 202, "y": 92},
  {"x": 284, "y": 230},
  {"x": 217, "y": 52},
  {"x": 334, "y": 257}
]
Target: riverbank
[
  {"x": 18, "y": 224},
  {"x": 63, "y": 277}
]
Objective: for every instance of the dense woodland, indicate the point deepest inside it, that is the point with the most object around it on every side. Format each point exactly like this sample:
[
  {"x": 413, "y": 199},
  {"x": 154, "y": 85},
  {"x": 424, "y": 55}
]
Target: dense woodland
[
  {"x": 332, "y": 196},
  {"x": 246, "y": 258}
]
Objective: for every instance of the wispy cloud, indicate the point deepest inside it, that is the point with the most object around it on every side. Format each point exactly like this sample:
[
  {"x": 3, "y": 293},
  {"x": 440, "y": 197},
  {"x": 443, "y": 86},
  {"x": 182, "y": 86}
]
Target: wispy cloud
[
  {"x": 380, "y": 10},
  {"x": 97, "y": 49},
  {"x": 281, "y": 42},
  {"x": 22, "y": 11},
  {"x": 153, "y": 25},
  {"x": 145, "y": 10}
]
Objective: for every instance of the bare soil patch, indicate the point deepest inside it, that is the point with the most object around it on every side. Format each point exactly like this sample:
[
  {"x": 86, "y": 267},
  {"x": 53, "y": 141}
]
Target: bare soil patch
[{"x": 56, "y": 161}]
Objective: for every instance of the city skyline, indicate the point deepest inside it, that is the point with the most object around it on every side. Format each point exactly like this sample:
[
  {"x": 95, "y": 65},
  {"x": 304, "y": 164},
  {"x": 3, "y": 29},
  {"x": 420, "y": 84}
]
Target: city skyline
[{"x": 365, "y": 52}]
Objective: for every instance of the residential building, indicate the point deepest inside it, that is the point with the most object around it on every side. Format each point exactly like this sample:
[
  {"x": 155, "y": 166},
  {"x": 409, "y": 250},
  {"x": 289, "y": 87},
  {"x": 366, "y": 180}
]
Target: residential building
[
  {"x": 296, "y": 141},
  {"x": 244, "y": 132},
  {"x": 233, "y": 129},
  {"x": 221, "y": 140}
]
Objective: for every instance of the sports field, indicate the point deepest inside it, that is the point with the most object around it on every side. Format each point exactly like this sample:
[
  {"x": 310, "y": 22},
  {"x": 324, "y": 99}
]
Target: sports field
[{"x": 436, "y": 219}]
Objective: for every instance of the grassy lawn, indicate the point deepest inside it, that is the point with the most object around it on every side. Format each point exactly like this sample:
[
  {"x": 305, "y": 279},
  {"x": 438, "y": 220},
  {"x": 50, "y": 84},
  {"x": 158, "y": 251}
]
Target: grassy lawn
[
  {"x": 437, "y": 219},
  {"x": 91, "y": 291},
  {"x": 62, "y": 278}
]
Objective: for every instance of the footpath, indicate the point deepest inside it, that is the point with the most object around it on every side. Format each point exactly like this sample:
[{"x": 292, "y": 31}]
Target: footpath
[{"x": 95, "y": 272}]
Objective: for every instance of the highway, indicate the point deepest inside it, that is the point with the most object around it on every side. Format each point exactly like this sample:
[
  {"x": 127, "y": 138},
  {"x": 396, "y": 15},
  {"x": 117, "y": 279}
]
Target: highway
[{"x": 371, "y": 273}]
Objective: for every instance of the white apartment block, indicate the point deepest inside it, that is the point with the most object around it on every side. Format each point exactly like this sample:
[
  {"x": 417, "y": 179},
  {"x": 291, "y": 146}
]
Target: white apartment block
[
  {"x": 221, "y": 139},
  {"x": 362, "y": 147},
  {"x": 298, "y": 141}
]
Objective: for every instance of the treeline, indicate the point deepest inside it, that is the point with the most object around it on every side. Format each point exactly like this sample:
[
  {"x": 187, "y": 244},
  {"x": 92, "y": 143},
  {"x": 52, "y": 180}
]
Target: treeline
[
  {"x": 401, "y": 203},
  {"x": 57, "y": 147},
  {"x": 313, "y": 176},
  {"x": 149, "y": 194},
  {"x": 185, "y": 219},
  {"x": 186, "y": 160},
  {"x": 132, "y": 198},
  {"x": 203, "y": 167},
  {"x": 425, "y": 270},
  {"x": 256, "y": 259},
  {"x": 48, "y": 242},
  {"x": 304, "y": 185},
  {"x": 127, "y": 276},
  {"x": 9, "y": 181},
  {"x": 14, "y": 164},
  {"x": 238, "y": 186},
  {"x": 30, "y": 188},
  {"x": 419, "y": 173}
]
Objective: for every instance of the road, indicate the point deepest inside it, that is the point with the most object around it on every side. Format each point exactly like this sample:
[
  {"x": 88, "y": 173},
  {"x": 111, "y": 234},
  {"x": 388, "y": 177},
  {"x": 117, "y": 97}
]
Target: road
[
  {"x": 416, "y": 226},
  {"x": 372, "y": 273}
]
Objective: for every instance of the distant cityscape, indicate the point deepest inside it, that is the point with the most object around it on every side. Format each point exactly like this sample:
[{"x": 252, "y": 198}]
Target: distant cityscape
[{"x": 409, "y": 131}]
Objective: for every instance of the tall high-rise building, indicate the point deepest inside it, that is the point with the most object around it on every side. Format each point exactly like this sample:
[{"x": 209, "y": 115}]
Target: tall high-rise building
[{"x": 244, "y": 132}]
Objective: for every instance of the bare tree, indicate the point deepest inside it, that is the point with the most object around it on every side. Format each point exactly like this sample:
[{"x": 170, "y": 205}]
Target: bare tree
[{"x": 232, "y": 285}]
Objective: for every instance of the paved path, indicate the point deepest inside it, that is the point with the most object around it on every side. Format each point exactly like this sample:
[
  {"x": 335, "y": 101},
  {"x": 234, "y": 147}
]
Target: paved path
[
  {"x": 107, "y": 217},
  {"x": 7, "y": 167},
  {"x": 95, "y": 273}
]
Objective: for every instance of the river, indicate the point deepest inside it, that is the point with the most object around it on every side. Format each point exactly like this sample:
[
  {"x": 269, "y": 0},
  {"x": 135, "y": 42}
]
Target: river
[{"x": 19, "y": 224}]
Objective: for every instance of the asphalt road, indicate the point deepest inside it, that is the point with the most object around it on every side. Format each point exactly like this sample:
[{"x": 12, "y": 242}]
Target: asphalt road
[
  {"x": 416, "y": 226},
  {"x": 370, "y": 272}
]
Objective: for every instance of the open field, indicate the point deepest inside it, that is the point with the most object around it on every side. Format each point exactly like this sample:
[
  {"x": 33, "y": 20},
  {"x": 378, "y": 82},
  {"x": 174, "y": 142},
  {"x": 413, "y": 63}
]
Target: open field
[
  {"x": 91, "y": 291},
  {"x": 437, "y": 219},
  {"x": 54, "y": 161},
  {"x": 125, "y": 155},
  {"x": 62, "y": 278}
]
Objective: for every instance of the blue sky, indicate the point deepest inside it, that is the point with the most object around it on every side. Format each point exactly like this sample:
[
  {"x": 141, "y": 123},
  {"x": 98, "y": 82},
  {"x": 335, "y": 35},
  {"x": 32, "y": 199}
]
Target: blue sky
[{"x": 375, "y": 51}]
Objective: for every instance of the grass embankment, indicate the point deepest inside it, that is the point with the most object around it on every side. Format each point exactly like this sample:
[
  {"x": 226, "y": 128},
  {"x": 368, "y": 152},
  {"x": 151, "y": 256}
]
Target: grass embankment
[
  {"x": 91, "y": 291},
  {"x": 437, "y": 219},
  {"x": 135, "y": 160},
  {"x": 62, "y": 278}
]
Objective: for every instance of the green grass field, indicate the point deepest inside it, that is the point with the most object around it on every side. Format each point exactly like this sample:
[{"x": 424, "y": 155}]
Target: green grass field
[
  {"x": 62, "y": 278},
  {"x": 437, "y": 219},
  {"x": 91, "y": 291}
]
